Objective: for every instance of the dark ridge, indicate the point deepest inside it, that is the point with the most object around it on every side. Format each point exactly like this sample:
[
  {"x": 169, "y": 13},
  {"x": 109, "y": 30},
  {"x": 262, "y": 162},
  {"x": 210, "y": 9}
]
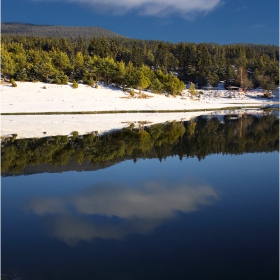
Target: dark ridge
[{"x": 27, "y": 29}]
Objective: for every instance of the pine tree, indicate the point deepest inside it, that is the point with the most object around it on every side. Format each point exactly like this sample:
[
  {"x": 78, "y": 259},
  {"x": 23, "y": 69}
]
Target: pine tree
[
  {"x": 174, "y": 85},
  {"x": 7, "y": 63},
  {"x": 75, "y": 84},
  {"x": 192, "y": 89},
  {"x": 156, "y": 86}
]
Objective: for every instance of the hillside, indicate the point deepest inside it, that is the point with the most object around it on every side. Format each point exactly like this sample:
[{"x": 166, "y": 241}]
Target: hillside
[
  {"x": 166, "y": 66},
  {"x": 25, "y": 29}
]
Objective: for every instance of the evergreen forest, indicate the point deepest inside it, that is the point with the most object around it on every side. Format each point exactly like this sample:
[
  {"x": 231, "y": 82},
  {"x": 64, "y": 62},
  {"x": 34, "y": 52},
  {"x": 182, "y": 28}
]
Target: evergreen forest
[
  {"x": 127, "y": 63},
  {"x": 199, "y": 138},
  {"x": 35, "y": 30}
]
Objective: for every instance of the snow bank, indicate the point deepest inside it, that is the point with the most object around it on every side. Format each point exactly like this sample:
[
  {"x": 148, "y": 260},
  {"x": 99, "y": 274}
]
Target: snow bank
[{"x": 44, "y": 98}]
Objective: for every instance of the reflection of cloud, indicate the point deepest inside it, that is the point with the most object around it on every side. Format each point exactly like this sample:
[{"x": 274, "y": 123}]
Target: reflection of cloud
[
  {"x": 152, "y": 201},
  {"x": 72, "y": 229},
  {"x": 42, "y": 206},
  {"x": 152, "y": 7},
  {"x": 123, "y": 209}
]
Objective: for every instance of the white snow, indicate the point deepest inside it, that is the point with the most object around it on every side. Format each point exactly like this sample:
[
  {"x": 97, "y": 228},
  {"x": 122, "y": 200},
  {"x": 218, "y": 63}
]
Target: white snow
[{"x": 30, "y": 97}]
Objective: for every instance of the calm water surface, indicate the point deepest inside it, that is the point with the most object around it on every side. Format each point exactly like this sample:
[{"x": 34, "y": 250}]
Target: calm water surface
[{"x": 172, "y": 219}]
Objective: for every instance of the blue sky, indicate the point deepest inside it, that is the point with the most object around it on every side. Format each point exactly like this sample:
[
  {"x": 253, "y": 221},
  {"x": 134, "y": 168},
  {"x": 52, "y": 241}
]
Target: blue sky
[{"x": 216, "y": 21}]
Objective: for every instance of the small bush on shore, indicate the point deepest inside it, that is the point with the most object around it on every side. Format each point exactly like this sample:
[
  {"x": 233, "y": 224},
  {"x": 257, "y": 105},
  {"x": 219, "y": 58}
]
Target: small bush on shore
[
  {"x": 85, "y": 80},
  {"x": 192, "y": 89},
  {"x": 131, "y": 92},
  {"x": 90, "y": 82},
  {"x": 75, "y": 84},
  {"x": 13, "y": 82}
]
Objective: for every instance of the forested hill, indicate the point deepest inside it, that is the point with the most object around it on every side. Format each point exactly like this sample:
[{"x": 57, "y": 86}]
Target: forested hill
[
  {"x": 25, "y": 29},
  {"x": 162, "y": 67}
]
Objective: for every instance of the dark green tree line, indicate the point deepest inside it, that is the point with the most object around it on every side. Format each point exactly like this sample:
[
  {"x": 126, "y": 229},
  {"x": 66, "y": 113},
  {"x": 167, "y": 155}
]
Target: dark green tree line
[{"x": 198, "y": 63}]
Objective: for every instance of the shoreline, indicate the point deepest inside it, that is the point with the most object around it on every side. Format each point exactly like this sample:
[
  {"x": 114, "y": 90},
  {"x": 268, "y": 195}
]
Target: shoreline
[
  {"x": 40, "y": 109},
  {"x": 245, "y": 106}
]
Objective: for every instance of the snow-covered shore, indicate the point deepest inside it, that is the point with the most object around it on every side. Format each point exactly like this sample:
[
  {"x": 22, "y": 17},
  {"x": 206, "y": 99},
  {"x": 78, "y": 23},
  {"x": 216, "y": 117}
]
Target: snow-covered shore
[{"x": 42, "y": 98}]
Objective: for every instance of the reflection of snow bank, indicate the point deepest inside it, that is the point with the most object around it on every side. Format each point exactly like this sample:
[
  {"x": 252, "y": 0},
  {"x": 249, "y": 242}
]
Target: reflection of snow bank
[
  {"x": 32, "y": 97},
  {"x": 42, "y": 126}
]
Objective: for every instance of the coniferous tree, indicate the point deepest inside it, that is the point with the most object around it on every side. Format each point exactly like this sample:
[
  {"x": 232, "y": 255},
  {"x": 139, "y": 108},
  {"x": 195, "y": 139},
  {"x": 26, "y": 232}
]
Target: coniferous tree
[
  {"x": 120, "y": 73},
  {"x": 174, "y": 85},
  {"x": 7, "y": 63},
  {"x": 75, "y": 84},
  {"x": 156, "y": 86},
  {"x": 61, "y": 62},
  {"x": 78, "y": 66},
  {"x": 137, "y": 56},
  {"x": 192, "y": 89},
  {"x": 203, "y": 64},
  {"x": 130, "y": 75}
]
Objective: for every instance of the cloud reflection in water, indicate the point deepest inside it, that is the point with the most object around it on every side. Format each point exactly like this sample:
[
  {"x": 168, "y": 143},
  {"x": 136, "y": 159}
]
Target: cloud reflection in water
[{"x": 113, "y": 211}]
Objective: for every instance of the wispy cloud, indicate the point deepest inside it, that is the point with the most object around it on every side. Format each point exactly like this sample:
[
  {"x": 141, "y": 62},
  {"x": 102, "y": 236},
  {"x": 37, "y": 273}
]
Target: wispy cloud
[
  {"x": 256, "y": 26},
  {"x": 185, "y": 8},
  {"x": 238, "y": 9}
]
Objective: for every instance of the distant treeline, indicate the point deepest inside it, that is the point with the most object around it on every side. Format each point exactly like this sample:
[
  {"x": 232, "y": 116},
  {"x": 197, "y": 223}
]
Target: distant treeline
[
  {"x": 197, "y": 138},
  {"x": 155, "y": 65},
  {"x": 25, "y": 29}
]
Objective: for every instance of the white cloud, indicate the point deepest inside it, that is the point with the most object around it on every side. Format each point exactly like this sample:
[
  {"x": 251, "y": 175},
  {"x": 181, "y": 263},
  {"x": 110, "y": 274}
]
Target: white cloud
[{"x": 185, "y": 8}]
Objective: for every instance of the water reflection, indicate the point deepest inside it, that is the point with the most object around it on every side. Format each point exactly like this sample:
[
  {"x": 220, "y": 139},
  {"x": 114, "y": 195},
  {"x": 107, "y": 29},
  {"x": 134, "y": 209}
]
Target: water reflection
[
  {"x": 200, "y": 137},
  {"x": 67, "y": 225},
  {"x": 113, "y": 211},
  {"x": 150, "y": 219}
]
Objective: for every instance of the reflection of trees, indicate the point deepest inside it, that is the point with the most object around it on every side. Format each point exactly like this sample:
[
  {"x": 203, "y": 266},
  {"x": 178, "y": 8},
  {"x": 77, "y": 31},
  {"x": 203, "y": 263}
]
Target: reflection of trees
[{"x": 197, "y": 138}]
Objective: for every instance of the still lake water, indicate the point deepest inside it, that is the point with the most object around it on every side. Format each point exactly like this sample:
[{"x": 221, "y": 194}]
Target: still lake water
[{"x": 176, "y": 218}]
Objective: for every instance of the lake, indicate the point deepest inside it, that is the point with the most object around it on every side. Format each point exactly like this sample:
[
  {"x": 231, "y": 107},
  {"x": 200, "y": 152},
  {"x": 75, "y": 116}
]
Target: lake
[{"x": 181, "y": 200}]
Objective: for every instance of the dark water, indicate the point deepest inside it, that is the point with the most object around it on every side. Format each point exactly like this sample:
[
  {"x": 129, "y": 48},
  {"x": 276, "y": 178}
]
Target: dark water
[
  {"x": 202, "y": 203},
  {"x": 210, "y": 219}
]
